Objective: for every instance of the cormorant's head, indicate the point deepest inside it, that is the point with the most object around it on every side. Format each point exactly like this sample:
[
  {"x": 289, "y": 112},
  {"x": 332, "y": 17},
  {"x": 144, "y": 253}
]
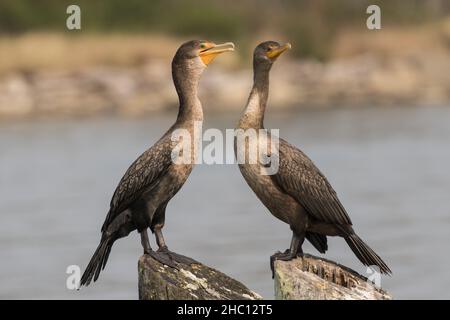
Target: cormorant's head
[
  {"x": 267, "y": 52},
  {"x": 197, "y": 54}
]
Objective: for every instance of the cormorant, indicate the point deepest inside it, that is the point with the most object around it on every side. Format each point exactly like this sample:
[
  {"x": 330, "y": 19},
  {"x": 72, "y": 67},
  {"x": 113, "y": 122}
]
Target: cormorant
[
  {"x": 141, "y": 197},
  {"x": 298, "y": 193}
]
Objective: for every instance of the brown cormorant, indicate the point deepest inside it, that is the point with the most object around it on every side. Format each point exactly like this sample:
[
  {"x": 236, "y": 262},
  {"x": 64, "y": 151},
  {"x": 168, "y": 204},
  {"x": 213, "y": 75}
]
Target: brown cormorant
[
  {"x": 141, "y": 197},
  {"x": 298, "y": 193}
]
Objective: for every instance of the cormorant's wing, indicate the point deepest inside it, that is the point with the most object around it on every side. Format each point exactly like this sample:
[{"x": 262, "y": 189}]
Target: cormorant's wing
[
  {"x": 144, "y": 173},
  {"x": 299, "y": 177}
]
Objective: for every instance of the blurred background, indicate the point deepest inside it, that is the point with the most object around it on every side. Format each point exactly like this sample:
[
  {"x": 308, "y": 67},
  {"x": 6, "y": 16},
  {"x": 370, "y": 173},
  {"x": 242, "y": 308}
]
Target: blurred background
[{"x": 370, "y": 107}]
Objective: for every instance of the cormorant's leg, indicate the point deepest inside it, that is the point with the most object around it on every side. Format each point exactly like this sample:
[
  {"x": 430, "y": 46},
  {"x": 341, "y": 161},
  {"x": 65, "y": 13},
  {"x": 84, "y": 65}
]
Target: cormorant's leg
[
  {"x": 145, "y": 242},
  {"x": 160, "y": 238},
  {"x": 291, "y": 253},
  {"x": 155, "y": 255},
  {"x": 164, "y": 250}
]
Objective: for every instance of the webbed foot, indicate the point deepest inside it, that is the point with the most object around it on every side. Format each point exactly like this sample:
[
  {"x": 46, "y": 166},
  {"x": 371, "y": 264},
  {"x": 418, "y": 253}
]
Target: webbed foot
[
  {"x": 283, "y": 256},
  {"x": 176, "y": 257},
  {"x": 162, "y": 258}
]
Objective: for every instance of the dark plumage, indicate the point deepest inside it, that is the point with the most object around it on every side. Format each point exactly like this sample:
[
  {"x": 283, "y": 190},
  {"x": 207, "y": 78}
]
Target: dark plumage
[
  {"x": 141, "y": 197},
  {"x": 298, "y": 193}
]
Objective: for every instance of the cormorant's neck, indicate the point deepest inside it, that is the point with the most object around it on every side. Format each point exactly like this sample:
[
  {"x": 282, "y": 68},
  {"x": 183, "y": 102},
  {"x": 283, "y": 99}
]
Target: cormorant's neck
[
  {"x": 256, "y": 106},
  {"x": 186, "y": 78}
]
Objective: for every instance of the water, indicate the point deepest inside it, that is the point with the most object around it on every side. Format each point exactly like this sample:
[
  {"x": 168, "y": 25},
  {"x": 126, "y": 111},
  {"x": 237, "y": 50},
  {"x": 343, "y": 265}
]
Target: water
[{"x": 389, "y": 167}]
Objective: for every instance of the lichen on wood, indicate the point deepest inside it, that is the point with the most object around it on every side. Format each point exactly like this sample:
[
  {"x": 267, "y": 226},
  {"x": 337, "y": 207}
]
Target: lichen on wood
[{"x": 188, "y": 282}]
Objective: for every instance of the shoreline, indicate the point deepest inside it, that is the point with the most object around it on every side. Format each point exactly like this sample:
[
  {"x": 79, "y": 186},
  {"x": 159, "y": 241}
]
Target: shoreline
[
  {"x": 148, "y": 89},
  {"x": 92, "y": 75}
]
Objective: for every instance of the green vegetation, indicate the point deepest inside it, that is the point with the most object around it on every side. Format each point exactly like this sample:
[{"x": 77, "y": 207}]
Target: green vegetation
[{"x": 313, "y": 23}]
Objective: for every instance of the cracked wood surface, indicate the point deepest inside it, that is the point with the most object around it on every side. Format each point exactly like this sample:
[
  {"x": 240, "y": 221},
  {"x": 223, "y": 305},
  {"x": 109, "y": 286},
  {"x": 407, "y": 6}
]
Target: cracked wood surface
[{"x": 314, "y": 278}]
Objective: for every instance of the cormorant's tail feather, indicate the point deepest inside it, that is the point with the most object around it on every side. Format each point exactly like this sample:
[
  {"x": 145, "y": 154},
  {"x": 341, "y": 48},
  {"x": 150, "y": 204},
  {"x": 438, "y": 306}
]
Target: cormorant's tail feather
[
  {"x": 98, "y": 262},
  {"x": 365, "y": 254},
  {"x": 108, "y": 251},
  {"x": 319, "y": 241}
]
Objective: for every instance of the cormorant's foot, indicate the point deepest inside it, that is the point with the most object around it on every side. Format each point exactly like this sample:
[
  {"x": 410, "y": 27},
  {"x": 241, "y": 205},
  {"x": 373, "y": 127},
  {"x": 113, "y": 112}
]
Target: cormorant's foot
[
  {"x": 283, "y": 256},
  {"x": 163, "y": 258},
  {"x": 183, "y": 259},
  {"x": 176, "y": 256}
]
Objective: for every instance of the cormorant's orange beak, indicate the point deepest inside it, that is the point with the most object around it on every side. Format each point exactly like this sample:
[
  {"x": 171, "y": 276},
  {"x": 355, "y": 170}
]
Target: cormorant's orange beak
[
  {"x": 210, "y": 50},
  {"x": 276, "y": 52}
]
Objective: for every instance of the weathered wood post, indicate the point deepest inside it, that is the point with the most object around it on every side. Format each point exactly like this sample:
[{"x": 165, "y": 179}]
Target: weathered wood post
[
  {"x": 189, "y": 282},
  {"x": 300, "y": 279},
  {"x": 314, "y": 278}
]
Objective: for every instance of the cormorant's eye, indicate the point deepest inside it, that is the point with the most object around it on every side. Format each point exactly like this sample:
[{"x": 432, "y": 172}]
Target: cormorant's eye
[
  {"x": 202, "y": 46},
  {"x": 269, "y": 48}
]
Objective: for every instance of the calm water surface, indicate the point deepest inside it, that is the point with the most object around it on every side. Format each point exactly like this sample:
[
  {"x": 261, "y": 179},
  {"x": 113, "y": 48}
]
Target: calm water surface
[{"x": 389, "y": 167}]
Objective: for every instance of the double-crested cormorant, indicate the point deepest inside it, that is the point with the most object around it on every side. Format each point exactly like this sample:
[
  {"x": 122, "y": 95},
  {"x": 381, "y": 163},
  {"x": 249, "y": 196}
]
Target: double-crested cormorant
[
  {"x": 141, "y": 197},
  {"x": 298, "y": 193}
]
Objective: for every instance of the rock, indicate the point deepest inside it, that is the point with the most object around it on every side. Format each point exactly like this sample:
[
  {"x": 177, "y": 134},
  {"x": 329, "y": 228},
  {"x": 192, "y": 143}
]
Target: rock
[
  {"x": 16, "y": 99},
  {"x": 367, "y": 79}
]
